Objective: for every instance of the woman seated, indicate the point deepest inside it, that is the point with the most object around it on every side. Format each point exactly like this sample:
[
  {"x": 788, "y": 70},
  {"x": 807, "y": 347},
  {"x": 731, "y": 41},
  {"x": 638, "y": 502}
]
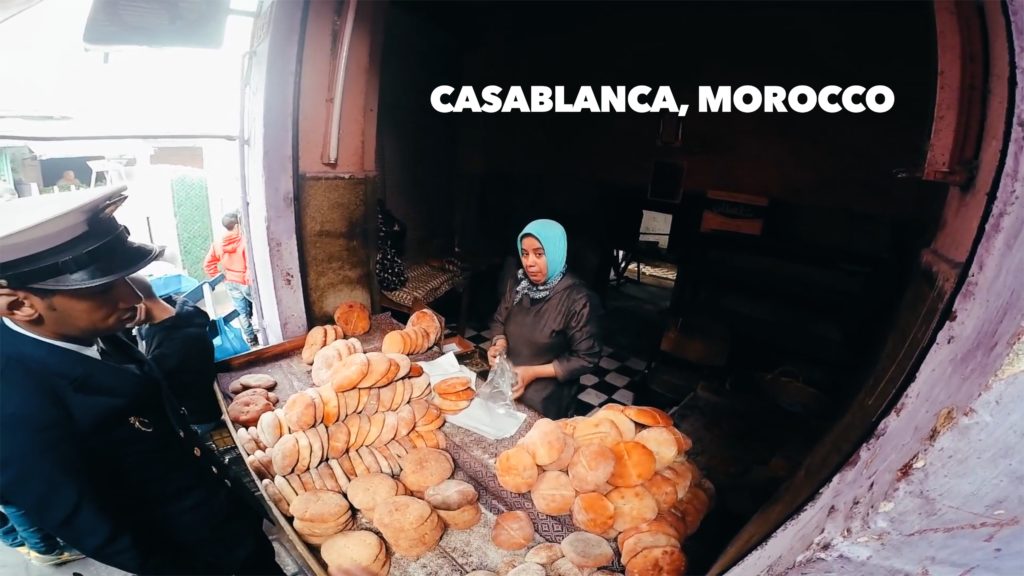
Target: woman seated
[{"x": 546, "y": 323}]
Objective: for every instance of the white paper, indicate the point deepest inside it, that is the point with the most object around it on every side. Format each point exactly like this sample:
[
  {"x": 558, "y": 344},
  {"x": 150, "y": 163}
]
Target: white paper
[{"x": 480, "y": 417}]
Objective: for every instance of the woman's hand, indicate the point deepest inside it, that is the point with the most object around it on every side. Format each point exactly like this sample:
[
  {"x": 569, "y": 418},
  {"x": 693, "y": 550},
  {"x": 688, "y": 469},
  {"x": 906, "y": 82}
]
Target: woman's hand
[
  {"x": 497, "y": 346},
  {"x": 526, "y": 375}
]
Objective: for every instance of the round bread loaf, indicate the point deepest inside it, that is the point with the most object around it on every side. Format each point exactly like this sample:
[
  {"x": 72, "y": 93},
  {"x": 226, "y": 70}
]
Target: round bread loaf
[
  {"x": 593, "y": 512},
  {"x": 379, "y": 365},
  {"x": 401, "y": 513},
  {"x": 640, "y": 541},
  {"x": 354, "y": 549},
  {"x": 316, "y": 448},
  {"x": 565, "y": 567},
  {"x": 675, "y": 519},
  {"x": 647, "y": 416},
  {"x": 516, "y": 470},
  {"x": 425, "y": 467},
  {"x": 275, "y": 496},
  {"x": 452, "y": 385},
  {"x": 325, "y": 359},
  {"x": 599, "y": 430},
  {"x": 285, "y": 455},
  {"x": 633, "y": 506},
  {"x": 569, "y": 424},
  {"x": 527, "y": 569},
  {"x": 544, "y": 554},
  {"x": 246, "y": 411},
  {"x": 353, "y": 317},
  {"x": 393, "y": 343},
  {"x": 681, "y": 475},
  {"x": 662, "y": 443},
  {"x": 427, "y": 320},
  {"x": 590, "y": 468},
  {"x": 265, "y": 381},
  {"x": 660, "y": 525},
  {"x": 553, "y": 494},
  {"x": 269, "y": 428},
  {"x": 300, "y": 412},
  {"x": 663, "y": 490},
  {"x": 285, "y": 489},
  {"x": 404, "y": 365},
  {"x": 587, "y": 550},
  {"x": 338, "y": 437},
  {"x": 348, "y": 373},
  {"x": 545, "y": 441},
  {"x": 320, "y": 506},
  {"x": 331, "y": 408},
  {"x": 366, "y": 492},
  {"x": 657, "y": 561},
  {"x": 683, "y": 442},
  {"x": 512, "y": 531},
  {"x": 261, "y": 392},
  {"x": 246, "y": 444},
  {"x": 451, "y": 495},
  {"x": 634, "y": 464},
  {"x": 315, "y": 340},
  {"x": 626, "y": 426},
  {"x": 462, "y": 519},
  {"x": 562, "y": 463}
]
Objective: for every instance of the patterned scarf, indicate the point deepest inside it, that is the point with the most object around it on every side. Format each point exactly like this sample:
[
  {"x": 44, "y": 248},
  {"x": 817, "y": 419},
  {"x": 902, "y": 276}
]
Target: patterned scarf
[{"x": 535, "y": 291}]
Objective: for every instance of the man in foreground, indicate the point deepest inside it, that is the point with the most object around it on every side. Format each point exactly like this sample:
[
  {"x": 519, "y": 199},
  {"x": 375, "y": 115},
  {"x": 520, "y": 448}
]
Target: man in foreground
[{"x": 93, "y": 446}]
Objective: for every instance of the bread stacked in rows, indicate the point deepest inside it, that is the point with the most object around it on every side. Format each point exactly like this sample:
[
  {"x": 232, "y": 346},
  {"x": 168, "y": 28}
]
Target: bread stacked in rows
[
  {"x": 413, "y": 511},
  {"x": 422, "y": 331},
  {"x": 622, "y": 474},
  {"x": 364, "y": 416},
  {"x": 350, "y": 319}
]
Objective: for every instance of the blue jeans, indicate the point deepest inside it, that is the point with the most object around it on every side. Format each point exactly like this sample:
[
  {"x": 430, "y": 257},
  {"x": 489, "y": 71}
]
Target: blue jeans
[
  {"x": 241, "y": 296},
  {"x": 16, "y": 530}
]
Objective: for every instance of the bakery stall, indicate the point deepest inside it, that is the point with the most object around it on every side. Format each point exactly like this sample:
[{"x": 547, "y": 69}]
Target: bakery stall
[{"x": 347, "y": 440}]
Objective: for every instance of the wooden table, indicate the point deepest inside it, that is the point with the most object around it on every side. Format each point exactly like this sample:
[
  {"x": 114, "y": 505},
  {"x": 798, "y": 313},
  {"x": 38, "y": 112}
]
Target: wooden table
[{"x": 459, "y": 552}]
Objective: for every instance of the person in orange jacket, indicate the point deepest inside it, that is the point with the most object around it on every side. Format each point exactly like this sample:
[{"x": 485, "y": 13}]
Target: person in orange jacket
[{"x": 229, "y": 254}]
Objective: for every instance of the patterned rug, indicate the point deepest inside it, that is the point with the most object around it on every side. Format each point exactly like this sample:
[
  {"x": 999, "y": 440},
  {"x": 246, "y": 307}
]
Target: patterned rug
[{"x": 663, "y": 272}]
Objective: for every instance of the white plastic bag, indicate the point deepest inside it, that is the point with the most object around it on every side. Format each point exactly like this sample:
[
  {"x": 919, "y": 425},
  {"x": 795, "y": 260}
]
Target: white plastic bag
[{"x": 497, "y": 391}]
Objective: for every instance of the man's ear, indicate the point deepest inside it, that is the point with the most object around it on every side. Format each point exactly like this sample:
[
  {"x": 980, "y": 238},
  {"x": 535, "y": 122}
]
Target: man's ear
[{"x": 17, "y": 305}]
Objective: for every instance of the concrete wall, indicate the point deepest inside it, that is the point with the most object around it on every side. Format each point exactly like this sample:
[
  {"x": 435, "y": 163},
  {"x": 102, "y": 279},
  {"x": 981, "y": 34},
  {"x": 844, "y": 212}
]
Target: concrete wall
[
  {"x": 337, "y": 202},
  {"x": 270, "y": 175},
  {"x": 936, "y": 489}
]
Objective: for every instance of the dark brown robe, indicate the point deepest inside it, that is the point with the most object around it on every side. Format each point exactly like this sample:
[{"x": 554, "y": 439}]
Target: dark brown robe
[{"x": 561, "y": 328}]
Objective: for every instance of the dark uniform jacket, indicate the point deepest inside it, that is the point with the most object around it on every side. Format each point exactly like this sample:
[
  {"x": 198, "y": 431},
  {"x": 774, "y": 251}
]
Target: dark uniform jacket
[
  {"x": 561, "y": 328},
  {"x": 181, "y": 349},
  {"x": 97, "y": 453}
]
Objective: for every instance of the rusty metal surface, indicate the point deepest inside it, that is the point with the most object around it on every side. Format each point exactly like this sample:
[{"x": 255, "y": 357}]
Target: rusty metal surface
[{"x": 958, "y": 94}]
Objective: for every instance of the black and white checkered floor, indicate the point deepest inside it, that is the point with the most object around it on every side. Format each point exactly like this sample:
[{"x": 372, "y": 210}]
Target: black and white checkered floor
[{"x": 614, "y": 381}]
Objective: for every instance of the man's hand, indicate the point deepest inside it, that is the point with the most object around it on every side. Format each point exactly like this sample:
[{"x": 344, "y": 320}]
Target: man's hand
[
  {"x": 526, "y": 375},
  {"x": 497, "y": 346},
  {"x": 141, "y": 313}
]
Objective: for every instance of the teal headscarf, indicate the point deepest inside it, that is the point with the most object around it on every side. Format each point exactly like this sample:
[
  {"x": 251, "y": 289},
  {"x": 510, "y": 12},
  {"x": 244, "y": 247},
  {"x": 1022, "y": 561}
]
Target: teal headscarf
[{"x": 551, "y": 236}]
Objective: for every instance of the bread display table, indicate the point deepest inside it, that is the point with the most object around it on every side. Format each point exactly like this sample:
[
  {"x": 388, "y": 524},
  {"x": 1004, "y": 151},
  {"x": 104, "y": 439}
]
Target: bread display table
[{"x": 460, "y": 551}]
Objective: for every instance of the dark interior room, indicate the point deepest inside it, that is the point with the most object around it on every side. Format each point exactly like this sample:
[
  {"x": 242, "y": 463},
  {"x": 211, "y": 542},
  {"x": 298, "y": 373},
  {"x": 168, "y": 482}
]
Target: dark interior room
[{"x": 750, "y": 265}]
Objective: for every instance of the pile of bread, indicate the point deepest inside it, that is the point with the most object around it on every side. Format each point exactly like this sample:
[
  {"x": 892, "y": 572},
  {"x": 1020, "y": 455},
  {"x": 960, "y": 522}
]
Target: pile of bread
[
  {"x": 453, "y": 395},
  {"x": 621, "y": 474},
  {"x": 422, "y": 331},
  {"x": 411, "y": 513},
  {"x": 350, "y": 319},
  {"x": 579, "y": 554},
  {"x": 252, "y": 398}
]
